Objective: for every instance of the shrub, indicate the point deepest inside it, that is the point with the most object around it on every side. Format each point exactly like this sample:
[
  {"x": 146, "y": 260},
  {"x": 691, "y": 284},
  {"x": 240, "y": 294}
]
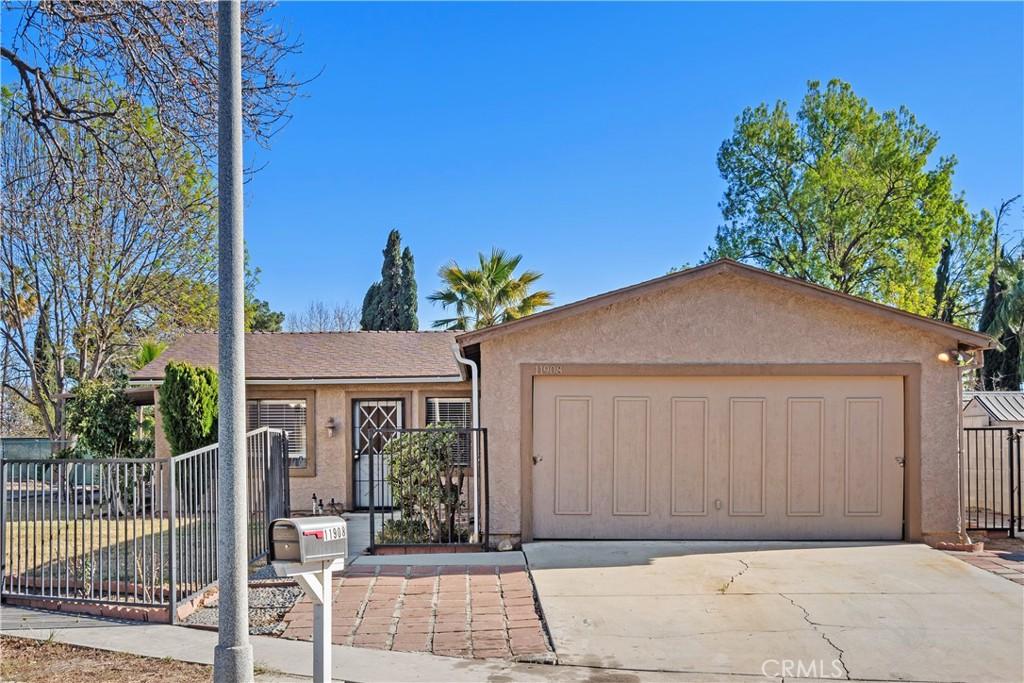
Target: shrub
[
  {"x": 426, "y": 481},
  {"x": 188, "y": 405},
  {"x": 105, "y": 422}
]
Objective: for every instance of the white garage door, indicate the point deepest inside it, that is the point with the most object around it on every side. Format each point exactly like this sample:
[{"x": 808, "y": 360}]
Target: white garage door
[{"x": 718, "y": 458}]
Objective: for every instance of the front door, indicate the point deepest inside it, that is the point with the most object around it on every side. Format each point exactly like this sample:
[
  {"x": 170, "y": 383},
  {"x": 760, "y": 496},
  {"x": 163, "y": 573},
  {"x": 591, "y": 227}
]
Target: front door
[{"x": 368, "y": 446}]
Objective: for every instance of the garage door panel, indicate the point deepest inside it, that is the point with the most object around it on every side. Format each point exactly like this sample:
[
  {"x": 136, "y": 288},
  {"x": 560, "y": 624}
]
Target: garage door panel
[
  {"x": 631, "y": 455},
  {"x": 863, "y": 456},
  {"x": 573, "y": 455},
  {"x": 805, "y": 456},
  {"x": 689, "y": 452},
  {"x": 747, "y": 435},
  {"x": 719, "y": 458}
]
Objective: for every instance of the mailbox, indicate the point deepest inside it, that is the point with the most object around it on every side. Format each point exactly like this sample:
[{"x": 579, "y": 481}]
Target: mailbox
[{"x": 302, "y": 540}]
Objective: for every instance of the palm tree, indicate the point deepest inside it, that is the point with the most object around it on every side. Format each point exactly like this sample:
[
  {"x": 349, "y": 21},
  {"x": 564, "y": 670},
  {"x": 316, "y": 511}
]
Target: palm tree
[
  {"x": 148, "y": 352},
  {"x": 490, "y": 294}
]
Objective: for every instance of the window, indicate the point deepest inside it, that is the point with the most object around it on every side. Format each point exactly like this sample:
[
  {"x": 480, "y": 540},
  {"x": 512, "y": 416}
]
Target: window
[
  {"x": 457, "y": 413},
  {"x": 454, "y": 411},
  {"x": 286, "y": 414}
]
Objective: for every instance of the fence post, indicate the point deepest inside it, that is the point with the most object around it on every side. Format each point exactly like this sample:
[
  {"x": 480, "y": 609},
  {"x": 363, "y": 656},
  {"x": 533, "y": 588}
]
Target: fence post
[
  {"x": 1014, "y": 484},
  {"x": 173, "y": 541}
]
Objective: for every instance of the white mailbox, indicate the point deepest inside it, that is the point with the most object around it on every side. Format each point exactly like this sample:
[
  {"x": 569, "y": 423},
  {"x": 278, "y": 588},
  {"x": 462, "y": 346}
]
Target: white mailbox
[{"x": 311, "y": 549}]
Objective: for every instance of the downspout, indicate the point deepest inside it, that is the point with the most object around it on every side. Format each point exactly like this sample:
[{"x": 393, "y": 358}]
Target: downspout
[{"x": 474, "y": 373}]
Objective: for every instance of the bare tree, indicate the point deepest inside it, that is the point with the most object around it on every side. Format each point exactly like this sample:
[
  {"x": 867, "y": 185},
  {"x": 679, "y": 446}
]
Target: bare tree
[
  {"x": 321, "y": 317},
  {"x": 92, "y": 259},
  {"x": 158, "y": 54}
]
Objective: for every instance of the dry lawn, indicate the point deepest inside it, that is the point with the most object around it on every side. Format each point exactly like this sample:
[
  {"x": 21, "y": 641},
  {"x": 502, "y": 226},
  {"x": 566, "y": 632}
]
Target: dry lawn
[{"x": 27, "y": 660}]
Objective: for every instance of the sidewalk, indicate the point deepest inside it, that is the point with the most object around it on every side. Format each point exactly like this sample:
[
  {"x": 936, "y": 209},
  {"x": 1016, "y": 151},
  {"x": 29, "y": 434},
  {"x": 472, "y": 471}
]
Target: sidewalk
[{"x": 287, "y": 659}]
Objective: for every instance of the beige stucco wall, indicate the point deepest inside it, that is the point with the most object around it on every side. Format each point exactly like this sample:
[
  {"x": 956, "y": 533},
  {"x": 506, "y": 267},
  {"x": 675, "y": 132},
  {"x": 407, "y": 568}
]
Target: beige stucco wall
[
  {"x": 723, "y": 318},
  {"x": 332, "y": 469}
]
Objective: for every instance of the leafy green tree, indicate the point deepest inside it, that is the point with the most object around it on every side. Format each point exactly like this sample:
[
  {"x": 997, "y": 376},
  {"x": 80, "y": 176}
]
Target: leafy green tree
[
  {"x": 108, "y": 257},
  {"x": 188, "y": 406},
  {"x": 105, "y": 422},
  {"x": 260, "y": 318},
  {"x": 843, "y": 196},
  {"x": 490, "y": 294},
  {"x": 390, "y": 303}
]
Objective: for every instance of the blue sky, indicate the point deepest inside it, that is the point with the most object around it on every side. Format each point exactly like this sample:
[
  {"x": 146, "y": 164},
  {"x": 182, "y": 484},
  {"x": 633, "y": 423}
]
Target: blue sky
[{"x": 584, "y": 135}]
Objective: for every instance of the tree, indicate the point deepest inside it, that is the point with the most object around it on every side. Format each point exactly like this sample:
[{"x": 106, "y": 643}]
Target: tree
[
  {"x": 407, "y": 302},
  {"x": 390, "y": 303},
  {"x": 259, "y": 317},
  {"x": 842, "y": 196},
  {"x": 105, "y": 422},
  {"x": 91, "y": 260},
  {"x": 426, "y": 480},
  {"x": 149, "y": 351},
  {"x": 320, "y": 317},
  {"x": 188, "y": 405},
  {"x": 490, "y": 294},
  {"x": 1003, "y": 313},
  {"x": 162, "y": 55}
]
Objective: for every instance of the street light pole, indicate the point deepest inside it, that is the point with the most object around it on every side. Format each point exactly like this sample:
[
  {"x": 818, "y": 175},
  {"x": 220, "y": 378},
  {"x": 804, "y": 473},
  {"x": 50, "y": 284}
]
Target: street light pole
[{"x": 232, "y": 660}]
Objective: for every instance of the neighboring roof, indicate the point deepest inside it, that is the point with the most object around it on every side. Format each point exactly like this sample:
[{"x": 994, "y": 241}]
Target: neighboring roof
[
  {"x": 1002, "y": 406},
  {"x": 323, "y": 356},
  {"x": 964, "y": 337}
]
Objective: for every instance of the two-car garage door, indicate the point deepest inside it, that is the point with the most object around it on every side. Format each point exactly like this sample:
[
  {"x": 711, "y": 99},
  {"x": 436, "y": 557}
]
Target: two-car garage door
[{"x": 718, "y": 457}]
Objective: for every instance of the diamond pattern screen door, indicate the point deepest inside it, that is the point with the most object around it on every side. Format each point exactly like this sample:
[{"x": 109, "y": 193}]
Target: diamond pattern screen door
[{"x": 368, "y": 446}]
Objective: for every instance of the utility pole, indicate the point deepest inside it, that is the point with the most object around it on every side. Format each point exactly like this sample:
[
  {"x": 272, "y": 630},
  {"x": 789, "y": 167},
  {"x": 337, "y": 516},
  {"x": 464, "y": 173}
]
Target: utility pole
[{"x": 232, "y": 660}]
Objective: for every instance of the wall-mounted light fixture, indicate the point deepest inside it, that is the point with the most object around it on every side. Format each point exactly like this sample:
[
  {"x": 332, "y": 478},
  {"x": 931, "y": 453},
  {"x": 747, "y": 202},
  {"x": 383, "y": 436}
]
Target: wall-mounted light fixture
[
  {"x": 958, "y": 358},
  {"x": 331, "y": 426}
]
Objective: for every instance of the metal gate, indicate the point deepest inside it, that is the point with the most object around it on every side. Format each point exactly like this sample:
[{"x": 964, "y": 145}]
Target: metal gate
[
  {"x": 370, "y": 467},
  {"x": 992, "y": 474}
]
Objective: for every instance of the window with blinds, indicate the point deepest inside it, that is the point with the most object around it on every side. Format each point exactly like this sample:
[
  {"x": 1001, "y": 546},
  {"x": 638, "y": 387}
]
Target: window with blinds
[
  {"x": 286, "y": 414},
  {"x": 455, "y": 412}
]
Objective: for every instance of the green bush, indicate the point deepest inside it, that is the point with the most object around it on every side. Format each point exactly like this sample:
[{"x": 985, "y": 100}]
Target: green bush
[
  {"x": 188, "y": 406},
  {"x": 105, "y": 422},
  {"x": 426, "y": 481}
]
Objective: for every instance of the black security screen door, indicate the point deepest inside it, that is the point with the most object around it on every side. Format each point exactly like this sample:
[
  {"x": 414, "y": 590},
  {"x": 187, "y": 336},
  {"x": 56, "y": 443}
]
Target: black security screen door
[{"x": 367, "y": 446}]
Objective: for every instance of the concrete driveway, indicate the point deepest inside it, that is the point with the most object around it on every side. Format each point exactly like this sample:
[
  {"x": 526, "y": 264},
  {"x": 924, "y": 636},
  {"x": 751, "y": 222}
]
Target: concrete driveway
[{"x": 860, "y": 611}]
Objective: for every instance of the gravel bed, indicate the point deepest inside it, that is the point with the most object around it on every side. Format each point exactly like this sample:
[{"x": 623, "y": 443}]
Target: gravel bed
[{"x": 267, "y": 606}]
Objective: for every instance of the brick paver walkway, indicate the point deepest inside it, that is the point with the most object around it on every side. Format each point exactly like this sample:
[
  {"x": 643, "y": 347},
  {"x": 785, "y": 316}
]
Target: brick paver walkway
[
  {"x": 1002, "y": 556},
  {"x": 483, "y": 612}
]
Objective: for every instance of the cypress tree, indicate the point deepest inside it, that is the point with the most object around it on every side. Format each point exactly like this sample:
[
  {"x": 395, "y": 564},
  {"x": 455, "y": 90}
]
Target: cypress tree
[
  {"x": 407, "y": 319},
  {"x": 390, "y": 303}
]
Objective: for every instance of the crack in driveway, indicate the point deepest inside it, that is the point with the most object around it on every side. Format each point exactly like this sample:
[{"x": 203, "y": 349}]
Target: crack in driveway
[
  {"x": 824, "y": 636},
  {"x": 732, "y": 579}
]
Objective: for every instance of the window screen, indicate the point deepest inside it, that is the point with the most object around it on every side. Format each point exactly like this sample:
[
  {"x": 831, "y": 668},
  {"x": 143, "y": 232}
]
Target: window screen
[
  {"x": 455, "y": 412},
  {"x": 286, "y": 414}
]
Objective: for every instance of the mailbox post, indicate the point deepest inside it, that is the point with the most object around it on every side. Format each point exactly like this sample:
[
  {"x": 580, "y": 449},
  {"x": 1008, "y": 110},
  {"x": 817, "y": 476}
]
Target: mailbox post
[{"x": 311, "y": 549}]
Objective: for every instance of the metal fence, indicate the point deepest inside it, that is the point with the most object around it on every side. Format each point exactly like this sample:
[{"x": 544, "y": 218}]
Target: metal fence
[
  {"x": 135, "y": 532},
  {"x": 992, "y": 477},
  {"x": 436, "y": 485}
]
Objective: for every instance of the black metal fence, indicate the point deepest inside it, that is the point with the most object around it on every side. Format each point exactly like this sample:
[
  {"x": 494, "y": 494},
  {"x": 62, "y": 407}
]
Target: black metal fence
[
  {"x": 435, "y": 482},
  {"x": 992, "y": 478},
  {"x": 132, "y": 532}
]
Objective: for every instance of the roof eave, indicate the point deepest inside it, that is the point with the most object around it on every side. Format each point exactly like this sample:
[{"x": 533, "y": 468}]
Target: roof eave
[{"x": 965, "y": 339}]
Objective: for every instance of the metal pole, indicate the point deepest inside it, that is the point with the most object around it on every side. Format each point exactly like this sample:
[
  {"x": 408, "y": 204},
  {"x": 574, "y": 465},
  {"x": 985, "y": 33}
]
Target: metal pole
[{"x": 232, "y": 661}]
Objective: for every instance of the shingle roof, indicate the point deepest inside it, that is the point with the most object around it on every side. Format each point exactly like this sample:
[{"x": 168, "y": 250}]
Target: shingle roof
[
  {"x": 322, "y": 355},
  {"x": 1002, "y": 406}
]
